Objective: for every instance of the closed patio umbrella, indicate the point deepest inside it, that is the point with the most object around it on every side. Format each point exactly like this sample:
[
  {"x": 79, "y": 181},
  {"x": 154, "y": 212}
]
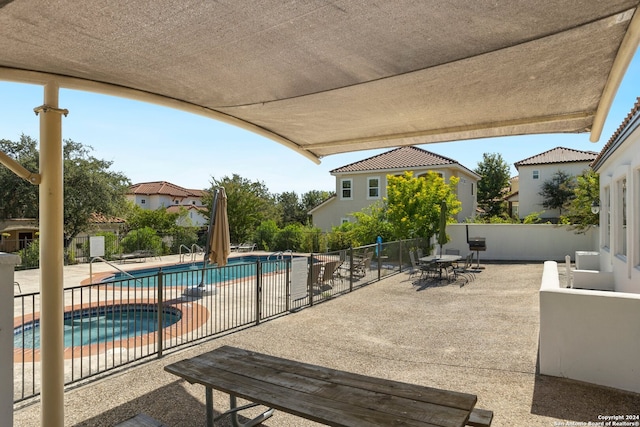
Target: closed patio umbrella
[
  {"x": 218, "y": 240},
  {"x": 218, "y": 246},
  {"x": 442, "y": 230}
]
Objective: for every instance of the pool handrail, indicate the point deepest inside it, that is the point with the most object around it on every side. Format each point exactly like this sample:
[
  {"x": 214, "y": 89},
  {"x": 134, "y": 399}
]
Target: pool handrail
[
  {"x": 112, "y": 265},
  {"x": 181, "y": 255},
  {"x": 280, "y": 254}
]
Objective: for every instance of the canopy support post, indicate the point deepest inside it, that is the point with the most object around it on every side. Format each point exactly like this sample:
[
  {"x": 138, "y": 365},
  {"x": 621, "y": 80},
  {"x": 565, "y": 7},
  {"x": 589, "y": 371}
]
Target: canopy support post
[{"x": 51, "y": 260}]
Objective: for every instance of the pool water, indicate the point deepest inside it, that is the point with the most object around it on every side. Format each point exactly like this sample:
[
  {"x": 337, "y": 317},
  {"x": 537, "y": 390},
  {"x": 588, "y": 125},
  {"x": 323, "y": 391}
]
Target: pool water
[
  {"x": 99, "y": 325},
  {"x": 192, "y": 274}
]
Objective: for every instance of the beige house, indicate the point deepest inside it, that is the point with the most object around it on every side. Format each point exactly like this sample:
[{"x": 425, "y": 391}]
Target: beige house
[
  {"x": 162, "y": 194},
  {"x": 535, "y": 170},
  {"x": 363, "y": 183}
]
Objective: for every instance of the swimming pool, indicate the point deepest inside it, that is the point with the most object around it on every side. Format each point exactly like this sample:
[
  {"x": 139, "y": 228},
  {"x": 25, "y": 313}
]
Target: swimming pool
[
  {"x": 100, "y": 324},
  {"x": 191, "y": 274}
]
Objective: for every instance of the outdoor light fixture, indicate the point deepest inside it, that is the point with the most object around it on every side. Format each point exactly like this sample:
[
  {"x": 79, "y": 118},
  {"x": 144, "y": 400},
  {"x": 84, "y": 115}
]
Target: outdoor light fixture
[{"x": 595, "y": 207}]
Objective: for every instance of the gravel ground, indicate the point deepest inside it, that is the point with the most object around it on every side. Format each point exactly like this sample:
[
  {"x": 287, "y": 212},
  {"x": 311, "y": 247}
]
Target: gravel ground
[{"x": 481, "y": 338}]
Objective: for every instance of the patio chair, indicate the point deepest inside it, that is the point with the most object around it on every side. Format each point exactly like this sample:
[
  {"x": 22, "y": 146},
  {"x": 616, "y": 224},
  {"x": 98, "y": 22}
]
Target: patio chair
[
  {"x": 453, "y": 252},
  {"x": 465, "y": 270},
  {"x": 425, "y": 268},
  {"x": 325, "y": 278},
  {"x": 362, "y": 266}
]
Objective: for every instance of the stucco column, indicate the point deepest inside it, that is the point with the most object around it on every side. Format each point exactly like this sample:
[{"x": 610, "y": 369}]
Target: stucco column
[
  {"x": 7, "y": 264},
  {"x": 51, "y": 260}
]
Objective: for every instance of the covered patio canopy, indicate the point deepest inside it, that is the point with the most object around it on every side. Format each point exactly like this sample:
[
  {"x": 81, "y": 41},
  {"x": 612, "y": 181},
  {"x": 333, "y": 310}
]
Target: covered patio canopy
[
  {"x": 321, "y": 77},
  {"x": 326, "y": 77}
]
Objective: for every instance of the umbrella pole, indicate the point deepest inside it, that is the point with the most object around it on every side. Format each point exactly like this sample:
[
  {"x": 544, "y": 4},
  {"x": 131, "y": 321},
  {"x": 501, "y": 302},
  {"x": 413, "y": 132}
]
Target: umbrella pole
[{"x": 207, "y": 246}]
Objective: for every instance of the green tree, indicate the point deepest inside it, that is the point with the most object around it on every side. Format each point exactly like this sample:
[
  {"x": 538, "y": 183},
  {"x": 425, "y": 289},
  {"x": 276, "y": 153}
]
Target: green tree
[
  {"x": 291, "y": 208},
  {"x": 313, "y": 198},
  {"x": 248, "y": 204},
  {"x": 586, "y": 192},
  {"x": 19, "y": 197},
  {"x": 413, "y": 204},
  {"x": 494, "y": 172},
  {"x": 89, "y": 186},
  {"x": 558, "y": 191},
  {"x": 370, "y": 223}
]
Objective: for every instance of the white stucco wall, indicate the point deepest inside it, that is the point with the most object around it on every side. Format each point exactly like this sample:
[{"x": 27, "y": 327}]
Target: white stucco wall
[
  {"x": 523, "y": 242},
  {"x": 590, "y": 336},
  {"x": 624, "y": 162},
  {"x": 529, "y": 198}
]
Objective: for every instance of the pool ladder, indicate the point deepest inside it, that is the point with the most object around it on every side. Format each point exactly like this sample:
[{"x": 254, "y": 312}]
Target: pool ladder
[
  {"x": 195, "y": 249},
  {"x": 112, "y": 265},
  {"x": 280, "y": 255}
]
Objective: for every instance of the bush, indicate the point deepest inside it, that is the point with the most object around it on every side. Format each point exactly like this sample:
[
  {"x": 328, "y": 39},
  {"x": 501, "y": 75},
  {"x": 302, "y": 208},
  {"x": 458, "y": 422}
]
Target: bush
[
  {"x": 290, "y": 237},
  {"x": 266, "y": 234},
  {"x": 142, "y": 239},
  {"x": 30, "y": 255}
]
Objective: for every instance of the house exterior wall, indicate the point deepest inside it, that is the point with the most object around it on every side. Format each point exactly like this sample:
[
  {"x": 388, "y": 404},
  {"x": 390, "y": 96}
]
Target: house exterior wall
[
  {"x": 529, "y": 198},
  {"x": 157, "y": 201},
  {"x": 334, "y": 212},
  {"x": 151, "y": 201},
  {"x": 620, "y": 244}
]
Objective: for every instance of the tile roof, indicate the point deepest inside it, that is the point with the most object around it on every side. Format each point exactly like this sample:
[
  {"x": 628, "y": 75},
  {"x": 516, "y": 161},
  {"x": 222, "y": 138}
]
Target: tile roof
[
  {"x": 164, "y": 188},
  {"x": 399, "y": 158},
  {"x": 558, "y": 155},
  {"x": 103, "y": 219},
  {"x": 615, "y": 139}
]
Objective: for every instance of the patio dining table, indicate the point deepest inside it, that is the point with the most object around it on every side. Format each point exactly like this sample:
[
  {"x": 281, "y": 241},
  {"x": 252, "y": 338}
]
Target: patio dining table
[{"x": 442, "y": 261}]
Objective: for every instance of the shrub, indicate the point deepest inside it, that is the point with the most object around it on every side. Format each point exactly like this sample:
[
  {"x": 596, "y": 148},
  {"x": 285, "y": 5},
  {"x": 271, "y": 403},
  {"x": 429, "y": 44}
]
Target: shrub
[{"x": 142, "y": 239}]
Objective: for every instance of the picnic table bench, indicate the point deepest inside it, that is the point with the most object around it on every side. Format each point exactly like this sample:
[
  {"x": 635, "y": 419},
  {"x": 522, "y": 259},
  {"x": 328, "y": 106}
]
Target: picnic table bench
[{"x": 324, "y": 395}]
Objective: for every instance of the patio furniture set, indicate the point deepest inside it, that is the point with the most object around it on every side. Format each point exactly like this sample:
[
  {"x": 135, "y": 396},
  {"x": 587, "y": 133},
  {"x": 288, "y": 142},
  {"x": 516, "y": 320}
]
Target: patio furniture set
[{"x": 449, "y": 266}]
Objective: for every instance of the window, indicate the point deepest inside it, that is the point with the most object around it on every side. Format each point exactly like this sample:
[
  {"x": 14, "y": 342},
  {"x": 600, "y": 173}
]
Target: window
[
  {"x": 536, "y": 174},
  {"x": 193, "y": 202},
  {"x": 344, "y": 220},
  {"x": 373, "y": 188},
  {"x": 143, "y": 201},
  {"x": 621, "y": 216},
  {"x": 607, "y": 217},
  {"x": 346, "y": 188},
  {"x": 472, "y": 188}
]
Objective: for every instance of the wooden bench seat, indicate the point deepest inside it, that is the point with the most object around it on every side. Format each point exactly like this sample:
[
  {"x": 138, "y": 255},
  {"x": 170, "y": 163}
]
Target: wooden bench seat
[{"x": 325, "y": 395}]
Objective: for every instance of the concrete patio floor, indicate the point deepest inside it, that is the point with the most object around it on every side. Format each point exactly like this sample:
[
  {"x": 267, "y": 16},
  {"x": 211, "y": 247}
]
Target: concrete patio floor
[{"x": 481, "y": 338}]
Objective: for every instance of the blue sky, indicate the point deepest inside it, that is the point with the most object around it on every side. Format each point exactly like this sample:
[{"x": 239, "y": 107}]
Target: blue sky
[{"x": 151, "y": 143}]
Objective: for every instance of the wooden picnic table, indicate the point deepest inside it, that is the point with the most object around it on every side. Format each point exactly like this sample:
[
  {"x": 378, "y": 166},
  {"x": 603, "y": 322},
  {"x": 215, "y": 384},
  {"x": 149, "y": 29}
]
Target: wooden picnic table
[{"x": 328, "y": 396}]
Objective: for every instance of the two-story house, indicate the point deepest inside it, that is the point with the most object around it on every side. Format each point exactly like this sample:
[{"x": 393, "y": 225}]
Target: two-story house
[
  {"x": 535, "y": 170},
  {"x": 162, "y": 194},
  {"x": 363, "y": 183}
]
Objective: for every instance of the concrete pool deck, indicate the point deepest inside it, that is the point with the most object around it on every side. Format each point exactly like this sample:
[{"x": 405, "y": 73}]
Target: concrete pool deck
[{"x": 481, "y": 338}]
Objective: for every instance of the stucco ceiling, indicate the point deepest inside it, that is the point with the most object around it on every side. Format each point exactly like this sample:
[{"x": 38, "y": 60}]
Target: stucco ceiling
[{"x": 326, "y": 77}]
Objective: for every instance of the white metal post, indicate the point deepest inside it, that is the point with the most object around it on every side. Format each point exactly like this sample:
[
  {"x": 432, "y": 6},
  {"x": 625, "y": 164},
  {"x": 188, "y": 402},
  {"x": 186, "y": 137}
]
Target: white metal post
[{"x": 51, "y": 260}]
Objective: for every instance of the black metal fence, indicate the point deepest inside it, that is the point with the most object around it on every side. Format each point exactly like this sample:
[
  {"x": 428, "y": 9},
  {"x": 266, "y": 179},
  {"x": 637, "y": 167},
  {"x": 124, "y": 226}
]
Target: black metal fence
[{"x": 139, "y": 314}]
